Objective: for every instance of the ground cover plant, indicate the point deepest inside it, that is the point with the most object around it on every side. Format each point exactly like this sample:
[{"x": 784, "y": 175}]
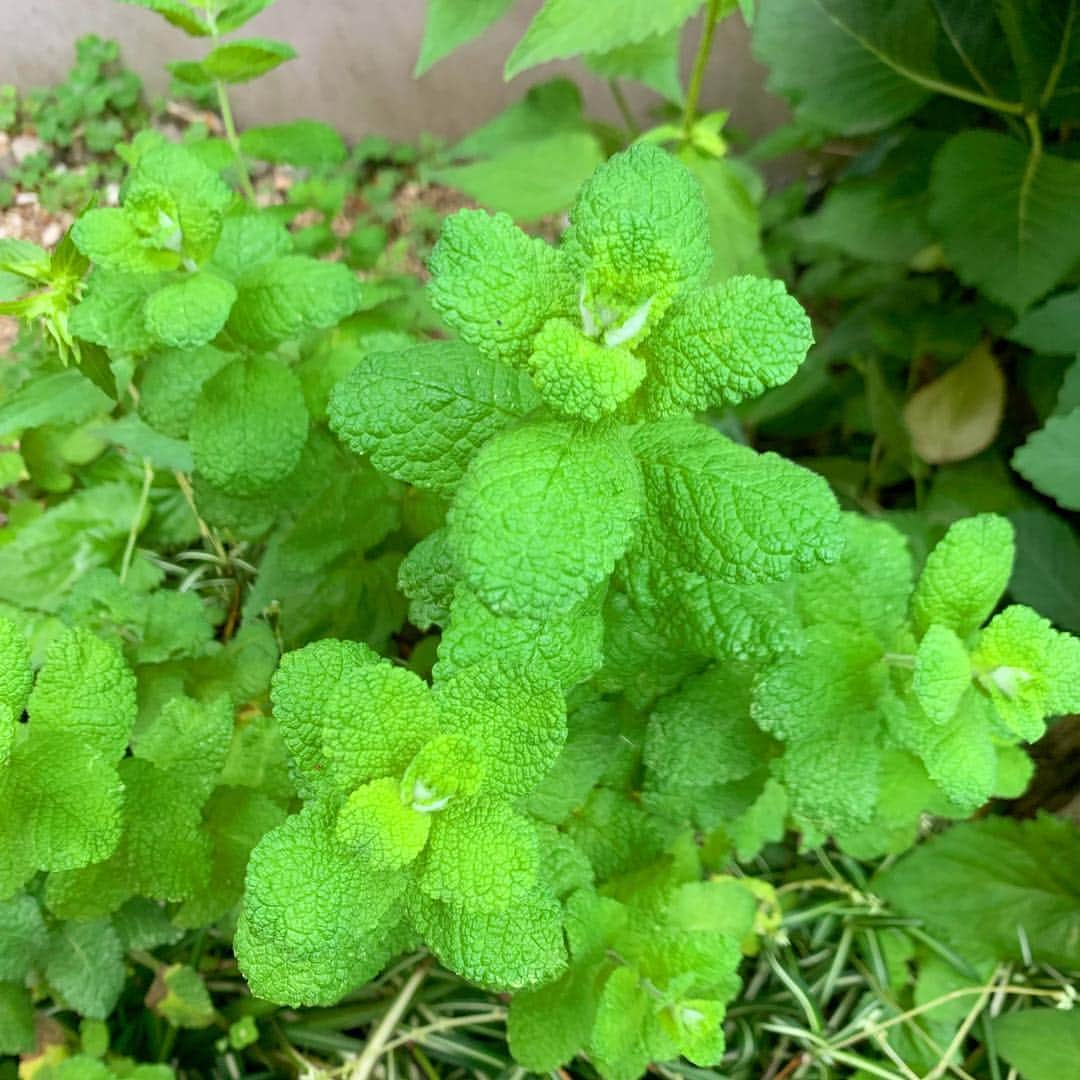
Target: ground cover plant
[{"x": 450, "y": 676}]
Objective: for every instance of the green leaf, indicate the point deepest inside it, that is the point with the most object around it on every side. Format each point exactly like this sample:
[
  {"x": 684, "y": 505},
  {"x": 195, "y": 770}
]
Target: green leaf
[
  {"x": 170, "y": 385},
  {"x": 482, "y": 854},
  {"x": 518, "y": 727},
  {"x": 49, "y": 554},
  {"x": 653, "y": 61},
  {"x": 179, "y": 996},
  {"x": 111, "y": 241},
  {"x": 958, "y": 415},
  {"x": 724, "y": 344},
  {"x": 722, "y": 510},
  {"x": 495, "y": 285},
  {"x": 237, "y": 61},
  {"x": 422, "y": 414},
  {"x": 965, "y": 575},
  {"x": 451, "y": 23},
  {"x": 233, "y": 15},
  {"x": 528, "y": 180},
  {"x": 22, "y": 936},
  {"x": 734, "y": 226},
  {"x": 845, "y": 65},
  {"x": 145, "y": 443},
  {"x": 522, "y": 946},
  {"x": 85, "y": 690},
  {"x": 997, "y": 889},
  {"x": 306, "y": 144},
  {"x": 563, "y": 28},
  {"x": 942, "y": 673},
  {"x": 1046, "y": 574},
  {"x": 84, "y": 964},
  {"x": 1048, "y": 459},
  {"x": 281, "y": 299},
  {"x": 312, "y": 913},
  {"x": 548, "y": 1026},
  {"x": 529, "y": 529},
  {"x": 247, "y": 241},
  {"x": 617, "y": 1043},
  {"x": 192, "y": 312},
  {"x": 56, "y": 397},
  {"x": 1052, "y": 328},
  {"x": 177, "y": 13},
  {"x": 1003, "y": 211},
  {"x": 16, "y": 1019},
  {"x": 249, "y": 426},
  {"x": 1040, "y": 1044},
  {"x": 112, "y": 312}
]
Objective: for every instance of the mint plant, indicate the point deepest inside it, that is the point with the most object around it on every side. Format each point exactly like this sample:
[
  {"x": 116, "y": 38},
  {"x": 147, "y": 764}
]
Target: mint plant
[{"x": 338, "y": 627}]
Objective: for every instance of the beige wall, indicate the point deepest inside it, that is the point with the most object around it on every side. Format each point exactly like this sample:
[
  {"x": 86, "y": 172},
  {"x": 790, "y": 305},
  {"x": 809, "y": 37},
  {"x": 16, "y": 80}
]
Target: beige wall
[{"x": 355, "y": 65}]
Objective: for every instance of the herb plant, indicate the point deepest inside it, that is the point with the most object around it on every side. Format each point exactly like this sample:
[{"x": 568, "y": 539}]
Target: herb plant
[{"x": 342, "y": 632}]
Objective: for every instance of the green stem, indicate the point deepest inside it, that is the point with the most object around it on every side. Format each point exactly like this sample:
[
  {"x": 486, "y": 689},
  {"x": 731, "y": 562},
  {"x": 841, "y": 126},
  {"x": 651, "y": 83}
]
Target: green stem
[
  {"x": 693, "y": 92},
  {"x": 234, "y": 140},
  {"x": 133, "y": 534},
  {"x": 624, "y": 108}
]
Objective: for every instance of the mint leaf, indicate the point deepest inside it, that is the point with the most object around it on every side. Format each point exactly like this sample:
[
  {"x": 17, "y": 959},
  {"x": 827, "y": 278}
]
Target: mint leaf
[
  {"x": 722, "y": 510},
  {"x": 249, "y": 426},
  {"x": 528, "y": 530},
  {"x": 422, "y": 414},
  {"x": 190, "y": 313},
  {"x": 282, "y": 298}
]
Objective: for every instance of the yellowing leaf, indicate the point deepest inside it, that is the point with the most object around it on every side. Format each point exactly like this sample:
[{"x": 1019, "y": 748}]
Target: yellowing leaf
[{"x": 958, "y": 415}]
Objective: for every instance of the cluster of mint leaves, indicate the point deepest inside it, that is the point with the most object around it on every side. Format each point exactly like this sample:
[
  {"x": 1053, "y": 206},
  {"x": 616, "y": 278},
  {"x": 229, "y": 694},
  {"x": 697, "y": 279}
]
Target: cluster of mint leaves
[{"x": 657, "y": 648}]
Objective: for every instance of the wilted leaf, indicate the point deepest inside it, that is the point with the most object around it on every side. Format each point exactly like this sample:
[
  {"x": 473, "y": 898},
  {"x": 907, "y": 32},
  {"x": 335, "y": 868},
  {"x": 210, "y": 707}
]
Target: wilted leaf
[{"x": 958, "y": 415}]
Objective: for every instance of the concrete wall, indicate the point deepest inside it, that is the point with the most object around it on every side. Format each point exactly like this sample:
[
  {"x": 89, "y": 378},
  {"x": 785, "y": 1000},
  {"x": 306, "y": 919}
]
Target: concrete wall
[{"x": 355, "y": 65}]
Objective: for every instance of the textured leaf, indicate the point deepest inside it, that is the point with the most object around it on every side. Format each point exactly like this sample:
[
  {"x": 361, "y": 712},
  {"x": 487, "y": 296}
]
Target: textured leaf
[
  {"x": 311, "y": 913},
  {"x": 496, "y": 286},
  {"x": 422, "y": 414},
  {"x": 177, "y": 13},
  {"x": 518, "y": 726},
  {"x": 236, "y": 61},
  {"x": 249, "y": 426},
  {"x": 190, "y": 313},
  {"x": 1003, "y": 212},
  {"x": 720, "y": 509},
  {"x": 86, "y": 691},
  {"x": 282, "y": 298},
  {"x": 720, "y": 346},
  {"x": 112, "y": 313},
  {"x": 965, "y": 574},
  {"x": 543, "y": 514}
]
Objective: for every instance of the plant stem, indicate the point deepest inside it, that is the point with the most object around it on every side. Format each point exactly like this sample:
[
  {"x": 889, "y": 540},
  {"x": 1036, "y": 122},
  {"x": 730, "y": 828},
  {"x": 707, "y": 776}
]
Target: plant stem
[
  {"x": 376, "y": 1044},
  {"x": 693, "y": 92},
  {"x": 234, "y": 140},
  {"x": 144, "y": 498},
  {"x": 624, "y": 108}
]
